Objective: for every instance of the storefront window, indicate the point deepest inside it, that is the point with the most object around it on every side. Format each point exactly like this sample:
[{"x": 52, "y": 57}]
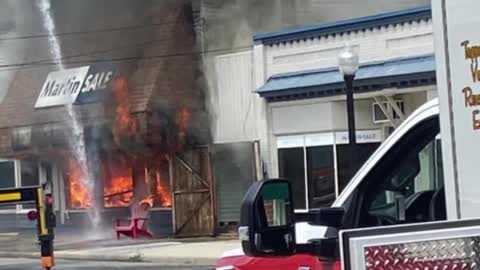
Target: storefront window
[
  {"x": 117, "y": 182},
  {"x": 321, "y": 176},
  {"x": 29, "y": 177},
  {"x": 318, "y": 165},
  {"x": 292, "y": 167},
  {"x": 362, "y": 152},
  {"x": 7, "y": 171},
  {"x": 29, "y": 172}
]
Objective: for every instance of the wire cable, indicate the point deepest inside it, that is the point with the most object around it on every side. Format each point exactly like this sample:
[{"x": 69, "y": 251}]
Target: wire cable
[{"x": 121, "y": 59}]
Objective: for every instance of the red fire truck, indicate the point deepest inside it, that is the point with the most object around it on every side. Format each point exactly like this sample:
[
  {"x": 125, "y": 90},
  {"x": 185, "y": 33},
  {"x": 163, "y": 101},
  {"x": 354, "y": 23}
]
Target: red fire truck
[{"x": 412, "y": 205}]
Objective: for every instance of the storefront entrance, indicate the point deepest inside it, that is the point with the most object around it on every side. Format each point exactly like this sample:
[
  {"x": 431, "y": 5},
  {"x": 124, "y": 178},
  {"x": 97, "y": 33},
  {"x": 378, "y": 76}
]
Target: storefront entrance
[{"x": 318, "y": 164}]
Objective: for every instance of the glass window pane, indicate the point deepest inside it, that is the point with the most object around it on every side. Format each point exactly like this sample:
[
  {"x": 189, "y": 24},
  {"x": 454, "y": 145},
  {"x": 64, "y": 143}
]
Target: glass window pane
[
  {"x": 29, "y": 173},
  {"x": 425, "y": 179},
  {"x": 321, "y": 176},
  {"x": 292, "y": 167},
  {"x": 7, "y": 171},
  {"x": 29, "y": 177},
  {"x": 378, "y": 113},
  {"x": 363, "y": 152}
]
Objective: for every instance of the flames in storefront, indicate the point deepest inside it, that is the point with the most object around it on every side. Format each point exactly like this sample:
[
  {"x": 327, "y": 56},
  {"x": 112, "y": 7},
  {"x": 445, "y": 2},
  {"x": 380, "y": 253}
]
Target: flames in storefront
[
  {"x": 117, "y": 185},
  {"x": 127, "y": 178},
  {"x": 125, "y": 123},
  {"x": 160, "y": 193},
  {"x": 80, "y": 196}
]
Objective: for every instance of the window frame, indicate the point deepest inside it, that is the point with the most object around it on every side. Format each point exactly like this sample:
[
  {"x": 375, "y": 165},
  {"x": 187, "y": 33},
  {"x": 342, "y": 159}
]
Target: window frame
[
  {"x": 19, "y": 209},
  {"x": 331, "y": 139},
  {"x": 16, "y": 173},
  {"x": 400, "y": 103}
]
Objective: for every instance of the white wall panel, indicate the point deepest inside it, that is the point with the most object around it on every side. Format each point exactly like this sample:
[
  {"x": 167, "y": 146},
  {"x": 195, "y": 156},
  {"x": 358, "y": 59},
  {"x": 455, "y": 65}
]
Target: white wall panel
[
  {"x": 303, "y": 118},
  {"x": 235, "y": 104},
  {"x": 388, "y": 42}
]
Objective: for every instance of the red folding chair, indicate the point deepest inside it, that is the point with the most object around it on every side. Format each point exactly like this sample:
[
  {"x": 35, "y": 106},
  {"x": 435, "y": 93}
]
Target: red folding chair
[{"x": 137, "y": 224}]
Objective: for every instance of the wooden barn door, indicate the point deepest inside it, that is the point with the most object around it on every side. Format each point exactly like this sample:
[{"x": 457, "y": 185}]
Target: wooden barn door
[{"x": 193, "y": 194}]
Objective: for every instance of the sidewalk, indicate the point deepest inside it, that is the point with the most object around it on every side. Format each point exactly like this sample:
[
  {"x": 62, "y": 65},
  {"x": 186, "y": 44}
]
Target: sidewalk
[
  {"x": 197, "y": 251},
  {"x": 168, "y": 253}
]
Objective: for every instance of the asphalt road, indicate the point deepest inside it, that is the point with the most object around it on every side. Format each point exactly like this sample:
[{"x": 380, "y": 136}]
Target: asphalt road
[{"x": 33, "y": 264}]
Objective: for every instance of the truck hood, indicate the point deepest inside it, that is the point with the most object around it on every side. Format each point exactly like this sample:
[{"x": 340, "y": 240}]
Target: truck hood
[{"x": 304, "y": 233}]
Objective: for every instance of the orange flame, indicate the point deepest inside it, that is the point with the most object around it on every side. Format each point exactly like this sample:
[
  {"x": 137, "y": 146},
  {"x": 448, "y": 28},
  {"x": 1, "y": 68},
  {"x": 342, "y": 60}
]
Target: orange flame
[
  {"x": 163, "y": 191},
  {"x": 118, "y": 184},
  {"x": 80, "y": 197},
  {"x": 118, "y": 188},
  {"x": 160, "y": 194},
  {"x": 182, "y": 121},
  {"x": 183, "y": 118},
  {"x": 148, "y": 200},
  {"x": 118, "y": 192},
  {"x": 125, "y": 123}
]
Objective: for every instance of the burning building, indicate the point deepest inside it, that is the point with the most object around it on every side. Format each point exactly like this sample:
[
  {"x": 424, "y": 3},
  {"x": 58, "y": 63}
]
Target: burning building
[{"x": 113, "y": 119}]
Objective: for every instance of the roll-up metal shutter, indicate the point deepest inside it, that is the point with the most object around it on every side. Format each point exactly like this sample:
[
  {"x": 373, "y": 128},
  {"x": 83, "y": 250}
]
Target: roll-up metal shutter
[{"x": 233, "y": 165}]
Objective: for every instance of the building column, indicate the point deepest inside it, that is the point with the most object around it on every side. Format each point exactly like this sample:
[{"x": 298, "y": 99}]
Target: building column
[
  {"x": 261, "y": 111},
  {"x": 59, "y": 181}
]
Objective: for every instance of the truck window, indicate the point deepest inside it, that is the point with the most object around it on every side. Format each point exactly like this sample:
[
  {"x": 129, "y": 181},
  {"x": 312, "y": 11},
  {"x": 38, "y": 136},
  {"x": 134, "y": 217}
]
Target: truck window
[
  {"x": 412, "y": 176},
  {"x": 427, "y": 178}
]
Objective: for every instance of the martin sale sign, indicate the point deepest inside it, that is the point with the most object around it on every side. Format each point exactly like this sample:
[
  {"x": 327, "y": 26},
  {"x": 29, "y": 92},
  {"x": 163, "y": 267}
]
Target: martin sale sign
[{"x": 76, "y": 85}]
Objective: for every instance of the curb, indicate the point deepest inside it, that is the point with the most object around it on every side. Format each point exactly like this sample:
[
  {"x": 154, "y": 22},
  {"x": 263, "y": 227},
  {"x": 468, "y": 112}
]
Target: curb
[
  {"x": 11, "y": 254},
  {"x": 171, "y": 261},
  {"x": 127, "y": 258}
]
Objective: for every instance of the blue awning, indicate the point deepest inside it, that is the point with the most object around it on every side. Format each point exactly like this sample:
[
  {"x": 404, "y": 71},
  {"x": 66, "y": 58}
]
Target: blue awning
[{"x": 401, "y": 72}]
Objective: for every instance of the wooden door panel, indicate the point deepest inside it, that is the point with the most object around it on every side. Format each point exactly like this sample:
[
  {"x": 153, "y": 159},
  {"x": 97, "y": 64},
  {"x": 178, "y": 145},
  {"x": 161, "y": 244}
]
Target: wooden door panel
[{"x": 193, "y": 198}]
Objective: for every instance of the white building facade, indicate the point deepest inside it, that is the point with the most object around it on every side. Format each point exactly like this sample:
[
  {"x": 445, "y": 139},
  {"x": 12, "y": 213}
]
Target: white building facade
[{"x": 286, "y": 92}]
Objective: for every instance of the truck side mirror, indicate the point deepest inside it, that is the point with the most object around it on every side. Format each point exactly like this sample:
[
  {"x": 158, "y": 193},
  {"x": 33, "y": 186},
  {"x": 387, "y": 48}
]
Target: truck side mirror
[{"x": 267, "y": 225}]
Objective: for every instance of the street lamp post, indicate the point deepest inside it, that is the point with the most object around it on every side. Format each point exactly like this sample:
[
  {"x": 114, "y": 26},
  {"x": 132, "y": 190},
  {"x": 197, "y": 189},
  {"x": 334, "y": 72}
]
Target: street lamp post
[{"x": 348, "y": 63}]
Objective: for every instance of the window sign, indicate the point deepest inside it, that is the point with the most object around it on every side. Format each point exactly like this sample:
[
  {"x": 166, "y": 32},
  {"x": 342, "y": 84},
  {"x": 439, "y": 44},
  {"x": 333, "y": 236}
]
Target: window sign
[
  {"x": 363, "y": 136},
  {"x": 96, "y": 82},
  {"x": 61, "y": 87},
  {"x": 290, "y": 141},
  {"x": 75, "y": 85}
]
